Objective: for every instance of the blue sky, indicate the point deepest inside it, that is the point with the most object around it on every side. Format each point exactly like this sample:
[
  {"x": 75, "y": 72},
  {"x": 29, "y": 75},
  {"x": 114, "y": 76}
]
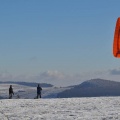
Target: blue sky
[{"x": 60, "y": 42}]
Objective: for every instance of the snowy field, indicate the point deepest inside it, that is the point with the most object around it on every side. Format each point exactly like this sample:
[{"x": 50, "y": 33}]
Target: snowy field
[
  {"x": 52, "y": 108},
  {"x": 99, "y": 108}
]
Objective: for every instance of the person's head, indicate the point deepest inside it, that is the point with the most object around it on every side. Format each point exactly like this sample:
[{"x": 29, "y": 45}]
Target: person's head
[
  {"x": 38, "y": 85},
  {"x": 10, "y": 85}
]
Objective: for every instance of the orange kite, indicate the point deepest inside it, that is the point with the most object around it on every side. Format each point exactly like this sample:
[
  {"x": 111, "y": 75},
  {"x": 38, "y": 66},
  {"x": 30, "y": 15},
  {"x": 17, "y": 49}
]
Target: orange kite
[{"x": 116, "y": 42}]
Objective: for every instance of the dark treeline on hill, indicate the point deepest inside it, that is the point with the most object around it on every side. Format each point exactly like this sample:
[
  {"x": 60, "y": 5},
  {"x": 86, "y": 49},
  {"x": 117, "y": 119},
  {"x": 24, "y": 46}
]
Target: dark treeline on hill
[
  {"x": 93, "y": 88},
  {"x": 30, "y": 84}
]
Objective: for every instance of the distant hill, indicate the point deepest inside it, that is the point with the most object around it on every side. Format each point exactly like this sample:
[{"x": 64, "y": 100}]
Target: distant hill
[
  {"x": 93, "y": 88},
  {"x": 30, "y": 84}
]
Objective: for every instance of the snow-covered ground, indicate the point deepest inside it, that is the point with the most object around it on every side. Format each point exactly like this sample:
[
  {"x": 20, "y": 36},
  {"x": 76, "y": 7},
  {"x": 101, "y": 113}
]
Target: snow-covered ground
[
  {"x": 99, "y": 108},
  {"x": 28, "y": 108}
]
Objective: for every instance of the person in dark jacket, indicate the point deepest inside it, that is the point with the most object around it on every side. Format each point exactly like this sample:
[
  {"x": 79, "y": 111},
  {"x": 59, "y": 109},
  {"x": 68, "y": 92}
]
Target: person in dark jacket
[
  {"x": 39, "y": 89},
  {"x": 11, "y": 92}
]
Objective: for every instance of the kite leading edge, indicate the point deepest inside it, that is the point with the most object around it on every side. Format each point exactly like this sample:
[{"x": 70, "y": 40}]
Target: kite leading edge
[{"x": 116, "y": 41}]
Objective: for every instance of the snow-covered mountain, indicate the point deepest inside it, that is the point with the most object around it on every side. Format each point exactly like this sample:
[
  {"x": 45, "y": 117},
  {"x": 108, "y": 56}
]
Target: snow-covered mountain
[
  {"x": 95, "y": 108},
  {"x": 93, "y": 88}
]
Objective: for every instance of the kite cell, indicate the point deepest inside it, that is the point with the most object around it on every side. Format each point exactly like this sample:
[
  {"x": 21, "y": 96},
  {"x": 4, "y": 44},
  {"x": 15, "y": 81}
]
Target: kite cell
[{"x": 116, "y": 42}]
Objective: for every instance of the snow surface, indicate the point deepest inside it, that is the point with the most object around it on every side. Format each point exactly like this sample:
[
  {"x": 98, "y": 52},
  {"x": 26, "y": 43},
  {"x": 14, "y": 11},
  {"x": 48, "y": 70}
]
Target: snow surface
[
  {"x": 97, "y": 108},
  {"x": 28, "y": 108}
]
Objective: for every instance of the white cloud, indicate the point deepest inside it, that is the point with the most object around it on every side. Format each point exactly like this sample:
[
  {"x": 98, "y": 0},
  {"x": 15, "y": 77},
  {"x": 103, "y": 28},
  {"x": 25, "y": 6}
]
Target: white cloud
[
  {"x": 61, "y": 79},
  {"x": 53, "y": 77},
  {"x": 5, "y": 76},
  {"x": 115, "y": 72}
]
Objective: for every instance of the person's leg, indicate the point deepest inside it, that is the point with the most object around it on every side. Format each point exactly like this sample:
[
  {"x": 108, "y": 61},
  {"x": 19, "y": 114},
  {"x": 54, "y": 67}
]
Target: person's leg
[{"x": 10, "y": 96}]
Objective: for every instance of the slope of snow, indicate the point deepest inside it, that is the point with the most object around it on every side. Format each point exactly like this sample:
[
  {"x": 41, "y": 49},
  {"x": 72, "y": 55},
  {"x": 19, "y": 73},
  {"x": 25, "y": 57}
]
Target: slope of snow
[{"x": 98, "y": 108}]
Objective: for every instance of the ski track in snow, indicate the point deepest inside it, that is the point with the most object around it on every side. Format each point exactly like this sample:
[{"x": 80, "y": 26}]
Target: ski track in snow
[{"x": 96, "y": 108}]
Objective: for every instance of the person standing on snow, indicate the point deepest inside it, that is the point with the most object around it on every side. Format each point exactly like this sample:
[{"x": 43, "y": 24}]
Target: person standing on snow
[
  {"x": 39, "y": 89},
  {"x": 11, "y": 92}
]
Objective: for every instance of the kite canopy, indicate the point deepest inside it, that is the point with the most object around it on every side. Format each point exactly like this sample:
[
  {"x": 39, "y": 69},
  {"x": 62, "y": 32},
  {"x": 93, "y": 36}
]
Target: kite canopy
[{"x": 116, "y": 42}]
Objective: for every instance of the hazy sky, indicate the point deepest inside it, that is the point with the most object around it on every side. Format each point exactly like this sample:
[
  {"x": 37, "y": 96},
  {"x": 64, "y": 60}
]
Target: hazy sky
[{"x": 58, "y": 41}]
